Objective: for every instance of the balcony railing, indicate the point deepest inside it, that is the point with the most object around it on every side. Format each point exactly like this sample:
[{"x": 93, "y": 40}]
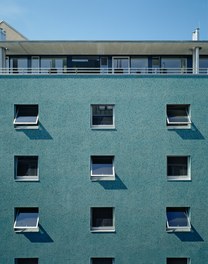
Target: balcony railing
[{"x": 101, "y": 71}]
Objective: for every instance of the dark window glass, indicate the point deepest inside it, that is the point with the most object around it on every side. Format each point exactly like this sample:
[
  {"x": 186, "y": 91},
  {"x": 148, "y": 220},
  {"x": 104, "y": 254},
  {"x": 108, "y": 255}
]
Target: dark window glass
[
  {"x": 177, "y": 217},
  {"x": 178, "y": 114},
  {"x": 102, "y": 261},
  {"x": 102, "y": 165},
  {"x": 26, "y": 114},
  {"x": 102, "y": 217},
  {"x": 26, "y": 261},
  {"x": 177, "y": 261},
  {"x": 27, "y": 166},
  {"x": 85, "y": 62},
  {"x": 102, "y": 115},
  {"x": 177, "y": 166}
]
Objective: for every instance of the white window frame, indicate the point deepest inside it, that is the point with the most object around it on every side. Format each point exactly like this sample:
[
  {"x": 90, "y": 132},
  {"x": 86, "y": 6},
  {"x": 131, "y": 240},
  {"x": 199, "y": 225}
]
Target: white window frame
[
  {"x": 103, "y": 126},
  {"x": 25, "y": 228},
  {"x": 121, "y": 57},
  {"x": 179, "y": 228},
  {"x": 179, "y": 125},
  {"x": 188, "y": 259},
  {"x": 102, "y": 177},
  {"x": 26, "y": 178},
  {"x": 178, "y": 177},
  {"x": 91, "y": 259},
  {"x": 25, "y": 125},
  {"x": 102, "y": 229}
]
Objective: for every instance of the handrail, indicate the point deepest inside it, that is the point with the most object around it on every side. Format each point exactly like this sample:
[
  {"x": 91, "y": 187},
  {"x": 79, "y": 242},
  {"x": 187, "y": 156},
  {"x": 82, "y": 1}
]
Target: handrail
[{"x": 101, "y": 71}]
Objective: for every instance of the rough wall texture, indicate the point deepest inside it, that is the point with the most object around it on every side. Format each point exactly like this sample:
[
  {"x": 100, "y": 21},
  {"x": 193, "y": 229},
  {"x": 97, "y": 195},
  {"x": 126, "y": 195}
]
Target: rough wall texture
[{"x": 140, "y": 143}]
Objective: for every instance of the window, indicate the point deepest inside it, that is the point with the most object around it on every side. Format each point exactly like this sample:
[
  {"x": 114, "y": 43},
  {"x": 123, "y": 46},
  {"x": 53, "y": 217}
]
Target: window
[
  {"x": 19, "y": 65},
  {"x": 120, "y": 65},
  {"x": 102, "y": 219},
  {"x": 174, "y": 65},
  {"x": 102, "y": 261},
  {"x": 139, "y": 65},
  {"x": 102, "y": 168},
  {"x": 26, "y": 168},
  {"x": 102, "y": 116},
  {"x": 26, "y": 261},
  {"x": 104, "y": 65},
  {"x": 53, "y": 65},
  {"x": 178, "y": 116},
  {"x": 26, "y": 116},
  {"x": 26, "y": 220},
  {"x": 178, "y": 260},
  {"x": 203, "y": 65},
  {"x": 178, "y": 219},
  {"x": 178, "y": 168}
]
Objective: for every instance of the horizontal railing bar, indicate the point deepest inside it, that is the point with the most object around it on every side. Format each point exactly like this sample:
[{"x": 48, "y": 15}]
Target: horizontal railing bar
[{"x": 102, "y": 71}]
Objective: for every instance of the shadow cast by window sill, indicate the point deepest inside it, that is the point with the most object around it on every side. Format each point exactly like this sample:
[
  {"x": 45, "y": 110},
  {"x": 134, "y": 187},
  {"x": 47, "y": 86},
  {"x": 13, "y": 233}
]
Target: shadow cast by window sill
[
  {"x": 37, "y": 134},
  {"x": 40, "y": 237},
  {"x": 192, "y": 236},
  {"x": 192, "y": 133},
  {"x": 113, "y": 185}
]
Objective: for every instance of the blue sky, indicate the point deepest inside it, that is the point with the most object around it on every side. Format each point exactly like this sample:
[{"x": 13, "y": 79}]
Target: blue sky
[{"x": 107, "y": 19}]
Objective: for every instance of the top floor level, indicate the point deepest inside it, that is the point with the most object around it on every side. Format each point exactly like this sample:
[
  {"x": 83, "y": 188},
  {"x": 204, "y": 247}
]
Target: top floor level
[{"x": 103, "y": 57}]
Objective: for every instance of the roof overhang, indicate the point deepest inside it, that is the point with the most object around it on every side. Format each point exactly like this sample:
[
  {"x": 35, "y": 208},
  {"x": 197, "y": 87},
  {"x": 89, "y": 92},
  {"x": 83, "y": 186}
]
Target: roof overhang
[{"x": 103, "y": 47}]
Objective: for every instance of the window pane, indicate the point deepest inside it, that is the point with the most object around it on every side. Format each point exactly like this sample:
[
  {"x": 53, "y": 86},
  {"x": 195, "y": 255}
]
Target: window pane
[
  {"x": 178, "y": 113},
  {"x": 177, "y": 261},
  {"x": 171, "y": 63},
  {"x": 177, "y": 166},
  {"x": 120, "y": 63},
  {"x": 27, "y": 166},
  {"x": 102, "y": 217},
  {"x": 26, "y": 114},
  {"x": 26, "y": 261},
  {"x": 139, "y": 65},
  {"x": 102, "y": 115},
  {"x": 177, "y": 217},
  {"x": 203, "y": 63},
  {"x": 102, "y": 261},
  {"x": 102, "y": 120},
  {"x": 46, "y": 63},
  {"x": 26, "y": 217},
  {"x": 54, "y": 65},
  {"x": 102, "y": 165},
  {"x": 19, "y": 65},
  {"x": 85, "y": 62}
]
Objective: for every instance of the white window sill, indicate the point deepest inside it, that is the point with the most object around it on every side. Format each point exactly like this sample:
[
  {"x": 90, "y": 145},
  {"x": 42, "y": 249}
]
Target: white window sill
[
  {"x": 25, "y": 127},
  {"x": 172, "y": 127},
  {"x": 179, "y": 178},
  {"x": 27, "y": 180},
  {"x": 102, "y": 178},
  {"x": 103, "y": 230},
  {"x": 175, "y": 230},
  {"x": 26, "y": 230},
  {"x": 103, "y": 127}
]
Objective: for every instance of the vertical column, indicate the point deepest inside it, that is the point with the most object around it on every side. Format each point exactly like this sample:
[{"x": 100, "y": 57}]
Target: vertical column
[
  {"x": 193, "y": 61},
  {"x": 2, "y": 50},
  {"x": 2, "y": 58},
  {"x": 197, "y": 59}
]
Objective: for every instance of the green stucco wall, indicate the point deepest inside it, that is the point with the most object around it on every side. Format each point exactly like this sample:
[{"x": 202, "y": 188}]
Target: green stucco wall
[{"x": 140, "y": 143}]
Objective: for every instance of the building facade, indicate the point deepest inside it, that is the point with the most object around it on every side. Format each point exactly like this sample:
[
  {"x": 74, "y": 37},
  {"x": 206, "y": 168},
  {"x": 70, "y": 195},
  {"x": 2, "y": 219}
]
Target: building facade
[{"x": 104, "y": 152}]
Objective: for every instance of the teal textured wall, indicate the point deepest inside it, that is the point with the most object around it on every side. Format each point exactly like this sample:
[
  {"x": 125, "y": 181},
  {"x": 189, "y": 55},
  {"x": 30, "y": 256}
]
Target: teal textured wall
[{"x": 140, "y": 143}]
